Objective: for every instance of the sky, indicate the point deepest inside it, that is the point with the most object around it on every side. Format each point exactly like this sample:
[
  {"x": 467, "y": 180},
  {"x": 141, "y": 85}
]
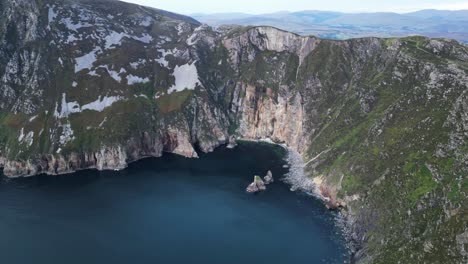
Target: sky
[{"x": 270, "y": 6}]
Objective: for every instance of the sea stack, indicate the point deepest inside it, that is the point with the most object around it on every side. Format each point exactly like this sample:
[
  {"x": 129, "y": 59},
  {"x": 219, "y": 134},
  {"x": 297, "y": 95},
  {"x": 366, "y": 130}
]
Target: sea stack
[
  {"x": 268, "y": 178},
  {"x": 256, "y": 186}
]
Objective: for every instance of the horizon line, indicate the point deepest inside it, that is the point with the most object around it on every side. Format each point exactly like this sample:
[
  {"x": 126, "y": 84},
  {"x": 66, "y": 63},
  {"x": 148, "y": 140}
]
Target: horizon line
[{"x": 319, "y": 10}]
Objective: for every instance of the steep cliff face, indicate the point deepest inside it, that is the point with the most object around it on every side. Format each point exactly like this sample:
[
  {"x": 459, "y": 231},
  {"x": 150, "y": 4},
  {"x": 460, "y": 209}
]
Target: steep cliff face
[{"x": 381, "y": 124}]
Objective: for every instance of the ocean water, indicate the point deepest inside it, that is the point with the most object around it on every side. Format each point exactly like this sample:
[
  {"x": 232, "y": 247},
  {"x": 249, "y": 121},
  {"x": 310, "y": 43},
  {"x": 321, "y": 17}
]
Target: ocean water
[{"x": 167, "y": 210}]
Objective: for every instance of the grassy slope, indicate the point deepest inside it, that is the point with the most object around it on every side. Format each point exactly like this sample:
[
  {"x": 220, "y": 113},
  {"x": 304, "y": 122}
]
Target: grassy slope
[{"x": 404, "y": 200}]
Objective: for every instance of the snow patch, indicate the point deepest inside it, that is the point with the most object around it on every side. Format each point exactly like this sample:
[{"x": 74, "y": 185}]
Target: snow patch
[
  {"x": 52, "y": 14},
  {"x": 114, "y": 74},
  {"x": 28, "y": 138},
  {"x": 193, "y": 39},
  {"x": 32, "y": 118},
  {"x": 99, "y": 105},
  {"x": 163, "y": 60},
  {"x": 71, "y": 38},
  {"x": 135, "y": 65},
  {"x": 145, "y": 38},
  {"x": 66, "y": 108},
  {"x": 146, "y": 22},
  {"x": 103, "y": 121},
  {"x": 67, "y": 134},
  {"x": 74, "y": 84},
  {"x": 180, "y": 29},
  {"x": 86, "y": 61},
  {"x": 72, "y": 26},
  {"x": 115, "y": 39},
  {"x": 186, "y": 77},
  {"x": 132, "y": 79},
  {"x": 21, "y": 136}
]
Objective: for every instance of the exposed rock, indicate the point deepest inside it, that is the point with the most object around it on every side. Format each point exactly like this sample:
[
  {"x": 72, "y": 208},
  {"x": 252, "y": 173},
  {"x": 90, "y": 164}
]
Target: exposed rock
[
  {"x": 232, "y": 142},
  {"x": 462, "y": 242},
  {"x": 377, "y": 120},
  {"x": 256, "y": 186},
  {"x": 268, "y": 178}
]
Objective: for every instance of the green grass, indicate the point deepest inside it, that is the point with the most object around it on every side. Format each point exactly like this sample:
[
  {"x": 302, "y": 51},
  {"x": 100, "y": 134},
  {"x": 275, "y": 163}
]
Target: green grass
[
  {"x": 173, "y": 101},
  {"x": 350, "y": 184},
  {"x": 454, "y": 195},
  {"x": 424, "y": 183}
]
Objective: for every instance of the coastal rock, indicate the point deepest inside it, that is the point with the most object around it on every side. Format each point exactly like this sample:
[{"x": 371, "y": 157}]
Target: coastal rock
[
  {"x": 232, "y": 143},
  {"x": 268, "y": 178},
  {"x": 373, "y": 118},
  {"x": 256, "y": 186},
  {"x": 263, "y": 116}
]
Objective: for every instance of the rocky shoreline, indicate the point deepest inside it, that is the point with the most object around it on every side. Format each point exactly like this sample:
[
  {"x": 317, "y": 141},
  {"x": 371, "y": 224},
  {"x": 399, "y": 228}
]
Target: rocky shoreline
[
  {"x": 299, "y": 181},
  {"x": 116, "y": 159}
]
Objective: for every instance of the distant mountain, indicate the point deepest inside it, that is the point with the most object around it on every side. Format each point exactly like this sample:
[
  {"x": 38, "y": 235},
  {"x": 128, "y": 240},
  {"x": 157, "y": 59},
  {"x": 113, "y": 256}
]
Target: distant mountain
[{"x": 336, "y": 25}]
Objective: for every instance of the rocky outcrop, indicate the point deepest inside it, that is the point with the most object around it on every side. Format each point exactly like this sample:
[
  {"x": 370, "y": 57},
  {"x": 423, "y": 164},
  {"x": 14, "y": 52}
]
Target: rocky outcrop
[
  {"x": 232, "y": 142},
  {"x": 107, "y": 158},
  {"x": 268, "y": 178},
  {"x": 261, "y": 115},
  {"x": 268, "y": 39},
  {"x": 366, "y": 121},
  {"x": 256, "y": 186}
]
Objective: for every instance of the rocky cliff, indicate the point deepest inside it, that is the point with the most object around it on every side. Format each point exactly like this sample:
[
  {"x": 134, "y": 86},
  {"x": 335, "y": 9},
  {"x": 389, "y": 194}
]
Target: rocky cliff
[{"x": 381, "y": 124}]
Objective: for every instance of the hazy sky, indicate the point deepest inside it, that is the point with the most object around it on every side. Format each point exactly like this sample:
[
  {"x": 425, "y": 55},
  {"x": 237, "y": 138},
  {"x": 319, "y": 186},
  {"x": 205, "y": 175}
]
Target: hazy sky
[{"x": 266, "y": 6}]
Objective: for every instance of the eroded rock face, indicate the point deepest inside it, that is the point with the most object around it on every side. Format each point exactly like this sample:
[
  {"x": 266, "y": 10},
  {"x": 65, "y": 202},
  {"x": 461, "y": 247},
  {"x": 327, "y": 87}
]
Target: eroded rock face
[
  {"x": 107, "y": 158},
  {"x": 370, "y": 120},
  {"x": 263, "y": 116}
]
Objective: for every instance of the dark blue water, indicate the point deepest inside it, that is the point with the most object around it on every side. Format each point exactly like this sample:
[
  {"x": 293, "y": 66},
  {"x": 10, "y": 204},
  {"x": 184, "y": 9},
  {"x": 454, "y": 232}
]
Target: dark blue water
[{"x": 167, "y": 210}]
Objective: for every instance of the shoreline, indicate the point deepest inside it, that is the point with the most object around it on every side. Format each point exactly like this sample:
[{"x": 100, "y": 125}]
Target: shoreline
[
  {"x": 294, "y": 178},
  {"x": 297, "y": 179}
]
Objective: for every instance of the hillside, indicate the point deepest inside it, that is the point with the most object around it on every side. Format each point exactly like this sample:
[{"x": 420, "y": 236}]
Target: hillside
[
  {"x": 98, "y": 84},
  {"x": 336, "y": 25}
]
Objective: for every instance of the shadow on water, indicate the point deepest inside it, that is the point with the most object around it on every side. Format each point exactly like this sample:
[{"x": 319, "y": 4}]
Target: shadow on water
[{"x": 168, "y": 210}]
